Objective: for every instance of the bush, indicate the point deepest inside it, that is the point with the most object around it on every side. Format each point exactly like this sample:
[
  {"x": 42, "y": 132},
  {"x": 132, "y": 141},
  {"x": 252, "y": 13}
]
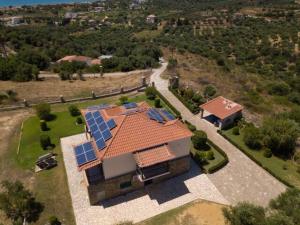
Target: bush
[
  {"x": 268, "y": 153},
  {"x": 150, "y": 93},
  {"x": 73, "y": 110},
  {"x": 53, "y": 220},
  {"x": 79, "y": 120},
  {"x": 252, "y": 137},
  {"x": 192, "y": 127},
  {"x": 157, "y": 103},
  {"x": 209, "y": 91},
  {"x": 43, "y": 111},
  {"x": 199, "y": 139},
  {"x": 200, "y": 157},
  {"x": 284, "y": 167},
  {"x": 45, "y": 141},
  {"x": 210, "y": 155},
  {"x": 298, "y": 169},
  {"x": 123, "y": 99},
  {"x": 43, "y": 125},
  {"x": 279, "y": 88},
  {"x": 236, "y": 131}
]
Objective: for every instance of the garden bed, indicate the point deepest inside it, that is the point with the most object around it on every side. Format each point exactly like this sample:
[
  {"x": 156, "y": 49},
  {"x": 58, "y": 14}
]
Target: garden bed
[{"x": 283, "y": 170}]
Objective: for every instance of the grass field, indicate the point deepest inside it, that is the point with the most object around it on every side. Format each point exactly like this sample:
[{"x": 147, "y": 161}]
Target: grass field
[
  {"x": 285, "y": 169},
  {"x": 195, "y": 213},
  {"x": 50, "y": 187}
]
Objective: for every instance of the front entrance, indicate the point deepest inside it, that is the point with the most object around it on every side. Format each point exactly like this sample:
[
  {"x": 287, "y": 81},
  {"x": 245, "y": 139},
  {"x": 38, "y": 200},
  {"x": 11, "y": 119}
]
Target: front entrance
[{"x": 148, "y": 182}]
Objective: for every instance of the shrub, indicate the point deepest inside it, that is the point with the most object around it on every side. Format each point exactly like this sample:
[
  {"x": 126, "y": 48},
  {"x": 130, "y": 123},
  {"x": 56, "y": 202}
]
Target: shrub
[
  {"x": 199, "y": 139},
  {"x": 198, "y": 99},
  {"x": 252, "y": 137},
  {"x": 157, "y": 103},
  {"x": 210, "y": 155},
  {"x": 45, "y": 141},
  {"x": 73, "y": 110},
  {"x": 236, "y": 131},
  {"x": 43, "y": 125},
  {"x": 267, "y": 153},
  {"x": 43, "y": 111},
  {"x": 53, "y": 220},
  {"x": 123, "y": 99},
  {"x": 209, "y": 91},
  {"x": 192, "y": 127},
  {"x": 200, "y": 157},
  {"x": 150, "y": 93},
  {"x": 298, "y": 169},
  {"x": 284, "y": 167},
  {"x": 79, "y": 120},
  {"x": 279, "y": 88}
]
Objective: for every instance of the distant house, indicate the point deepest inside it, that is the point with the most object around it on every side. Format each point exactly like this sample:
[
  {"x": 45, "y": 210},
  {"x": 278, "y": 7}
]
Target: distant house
[
  {"x": 76, "y": 58},
  {"x": 151, "y": 19},
  {"x": 221, "y": 111},
  {"x": 129, "y": 147},
  {"x": 71, "y": 15}
]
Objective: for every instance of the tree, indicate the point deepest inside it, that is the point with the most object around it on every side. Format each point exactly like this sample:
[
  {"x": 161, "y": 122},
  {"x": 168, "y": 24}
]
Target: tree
[
  {"x": 280, "y": 135},
  {"x": 43, "y": 111},
  {"x": 18, "y": 203},
  {"x": 252, "y": 137},
  {"x": 73, "y": 110},
  {"x": 209, "y": 91},
  {"x": 123, "y": 99},
  {"x": 157, "y": 103},
  {"x": 245, "y": 214},
  {"x": 279, "y": 218},
  {"x": 150, "y": 93},
  {"x": 45, "y": 141},
  {"x": 199, "y": 139}
]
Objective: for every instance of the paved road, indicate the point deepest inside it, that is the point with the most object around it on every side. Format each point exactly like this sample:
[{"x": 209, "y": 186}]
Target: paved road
[{"x": 241, "y": 179}]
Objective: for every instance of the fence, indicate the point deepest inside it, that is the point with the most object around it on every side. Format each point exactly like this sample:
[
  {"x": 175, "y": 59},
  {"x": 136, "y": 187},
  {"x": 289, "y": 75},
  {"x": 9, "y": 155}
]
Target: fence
[{"x": 61, "y": 99}]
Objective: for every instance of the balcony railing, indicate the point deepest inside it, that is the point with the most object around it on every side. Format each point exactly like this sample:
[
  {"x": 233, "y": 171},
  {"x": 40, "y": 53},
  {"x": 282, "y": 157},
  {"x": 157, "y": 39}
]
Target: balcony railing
[{"x": 151, "y": 172}]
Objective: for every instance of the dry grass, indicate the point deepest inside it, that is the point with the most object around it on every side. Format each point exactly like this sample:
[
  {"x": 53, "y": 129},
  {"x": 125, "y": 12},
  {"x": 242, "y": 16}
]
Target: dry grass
[
  {"x": 196, "y": 213},
  {"x": 53, "y": 88}
]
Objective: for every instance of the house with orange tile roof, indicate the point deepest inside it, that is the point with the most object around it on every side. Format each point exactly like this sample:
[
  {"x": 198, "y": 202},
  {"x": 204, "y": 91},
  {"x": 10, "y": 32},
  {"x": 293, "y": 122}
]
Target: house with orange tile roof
[
  {"x": 221, "y": 112},
  {"x": 130, "y": 146},
  {"x": 78, "y": 58}
]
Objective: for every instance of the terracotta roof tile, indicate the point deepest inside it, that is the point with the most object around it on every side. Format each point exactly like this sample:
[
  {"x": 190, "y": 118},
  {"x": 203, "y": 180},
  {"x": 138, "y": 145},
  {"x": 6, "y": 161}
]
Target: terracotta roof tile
[
  {"x": 153, "y": 156},
  {"x": 221, "y": 107}
]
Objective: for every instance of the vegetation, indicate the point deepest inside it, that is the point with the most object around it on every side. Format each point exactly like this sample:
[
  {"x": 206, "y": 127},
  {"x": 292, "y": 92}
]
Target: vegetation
[
  {"x": 18, "y": 203},
  {"x": 73, "y": 110},
  {"x": 199, "y": 139},
  {"x": 43, "y": 111},
  {"x": 45, "y": 141},
  {"x": 43, "y": 125},
  {"x": 283, "y": 210}
]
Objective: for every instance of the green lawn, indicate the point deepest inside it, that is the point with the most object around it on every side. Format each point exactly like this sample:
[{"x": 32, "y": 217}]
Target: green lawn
[
  {"x": 274, "y": 164},
  {"x": 51, "y": 186}
]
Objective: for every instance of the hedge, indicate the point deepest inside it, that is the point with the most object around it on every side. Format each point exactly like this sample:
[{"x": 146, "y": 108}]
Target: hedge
[
  {"x": 178, "y": 114},
  {"x": 221, "y": 164},
  {"x": 184, "y": 102},
  {"x": 256, "y": 161}
]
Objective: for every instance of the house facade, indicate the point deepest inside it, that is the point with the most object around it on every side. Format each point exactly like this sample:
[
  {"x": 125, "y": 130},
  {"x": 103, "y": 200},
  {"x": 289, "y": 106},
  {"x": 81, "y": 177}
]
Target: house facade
[{"x": 130, "y": 146}]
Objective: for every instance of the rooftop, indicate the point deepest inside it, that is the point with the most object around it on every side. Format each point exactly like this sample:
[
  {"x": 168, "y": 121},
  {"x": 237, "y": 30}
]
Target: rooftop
[
  {"x": 133, "y": 130},
  {"x": 221, "y": 107}
]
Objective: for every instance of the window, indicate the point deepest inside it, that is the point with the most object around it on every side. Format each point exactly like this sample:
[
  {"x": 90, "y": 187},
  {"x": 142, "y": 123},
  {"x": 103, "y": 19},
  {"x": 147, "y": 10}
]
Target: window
[{"x": 126, "y": 184}]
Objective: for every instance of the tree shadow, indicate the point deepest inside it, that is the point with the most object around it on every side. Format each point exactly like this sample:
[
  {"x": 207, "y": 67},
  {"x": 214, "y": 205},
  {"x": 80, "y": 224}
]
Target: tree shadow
[
  {"x": 36, "y": 208},
  {"x": 51, "y": 117}
]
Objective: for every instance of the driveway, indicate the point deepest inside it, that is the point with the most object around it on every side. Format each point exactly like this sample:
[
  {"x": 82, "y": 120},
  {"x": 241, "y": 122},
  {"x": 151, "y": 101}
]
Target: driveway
[
  {"x": 138, "y": 205},
  {"x": 241, "y": 179}
]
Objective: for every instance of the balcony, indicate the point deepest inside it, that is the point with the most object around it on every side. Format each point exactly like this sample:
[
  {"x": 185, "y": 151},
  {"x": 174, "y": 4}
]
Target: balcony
[{"x": 151, "y": 172}]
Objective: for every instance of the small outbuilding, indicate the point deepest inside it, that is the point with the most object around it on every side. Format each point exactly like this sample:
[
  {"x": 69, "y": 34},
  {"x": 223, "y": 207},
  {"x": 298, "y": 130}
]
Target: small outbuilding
[{"x": 221, "y": 112}]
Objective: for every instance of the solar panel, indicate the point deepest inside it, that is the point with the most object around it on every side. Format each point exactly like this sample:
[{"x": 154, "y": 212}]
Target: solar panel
[
  {"x": 168, "y": 114},
  {"x": 106, "y": 135},
  {"x": 97, "y": 135},
  {"x": 130, "y": 105},
  {"x": 100, "y": 143},
  {"x": 99, "y": 120},
  {"x": 96, "y": 114},
  {"x": 88, "y": 116},
  {"x": 90, "y": 122},
  {"x": 111, "y": 123},
  {"x": 103, "y": 126},
  {"x": 84, "y": 153}
]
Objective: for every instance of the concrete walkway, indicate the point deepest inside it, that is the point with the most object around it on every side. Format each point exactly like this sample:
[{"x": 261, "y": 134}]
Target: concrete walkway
[
  {"x": 241, "y": 179},
  {"x": 138, "y": 205}
]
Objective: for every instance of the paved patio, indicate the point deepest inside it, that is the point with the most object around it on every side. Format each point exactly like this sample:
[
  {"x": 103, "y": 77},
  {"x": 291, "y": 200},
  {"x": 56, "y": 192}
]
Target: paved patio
[{"x": 138, "y": 205}]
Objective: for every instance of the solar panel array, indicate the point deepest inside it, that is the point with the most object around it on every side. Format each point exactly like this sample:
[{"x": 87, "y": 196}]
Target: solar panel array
[
  {"x": 167, "y": 114},
  {"x": 98, "y": 107},
  {"x": 84, "y": 153},
  {"x": 99, "y": 128},
  {"x": 130, "y": 105},
  {"x": 160, "y": 115}
]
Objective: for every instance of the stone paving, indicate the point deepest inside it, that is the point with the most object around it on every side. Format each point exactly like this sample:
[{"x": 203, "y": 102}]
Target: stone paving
[
  {"x": 241, "y": 179},
  {"x": 138, "y": 205}
]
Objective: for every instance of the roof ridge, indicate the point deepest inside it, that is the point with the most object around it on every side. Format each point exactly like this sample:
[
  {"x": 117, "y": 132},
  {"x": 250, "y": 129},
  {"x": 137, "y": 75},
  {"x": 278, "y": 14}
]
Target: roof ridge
[{"x": 114, "y": 136}]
